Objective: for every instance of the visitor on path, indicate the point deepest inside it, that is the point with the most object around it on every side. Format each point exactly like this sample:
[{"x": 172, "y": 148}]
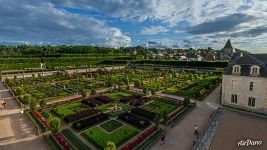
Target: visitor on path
[
  {"x": 4, "y": 104},
  {"x": 196, "y": 130},
  {"x": 162, "y": 139}
]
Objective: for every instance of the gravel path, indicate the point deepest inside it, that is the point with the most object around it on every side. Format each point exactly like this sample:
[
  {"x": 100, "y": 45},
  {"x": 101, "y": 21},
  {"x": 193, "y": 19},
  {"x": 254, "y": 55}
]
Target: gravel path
[
  {"x": 181, "y": 136},
  {"x": 16, "y": 130}
]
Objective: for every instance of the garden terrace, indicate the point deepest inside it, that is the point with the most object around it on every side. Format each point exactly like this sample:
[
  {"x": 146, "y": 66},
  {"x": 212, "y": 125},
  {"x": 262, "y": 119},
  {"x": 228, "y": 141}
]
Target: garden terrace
[
  {"x": 80, "y": 115},
  {"x": 92, "y": 102},
  {"x": 111, "y": 125},
  {"x": 69, "y": 109},
  {"x": 134, "y": 120},
  {"x": 100, "y": 138},
  {"x": 88, "y": 122},
  {"x": 140, "y": 138},
  {"x": 144, "y": 113},
  {"x": 74, "y": 140}
]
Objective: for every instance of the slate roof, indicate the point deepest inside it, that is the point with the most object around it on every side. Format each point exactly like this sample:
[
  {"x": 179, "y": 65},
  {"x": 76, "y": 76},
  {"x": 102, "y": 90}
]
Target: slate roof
[
  {"x": 246, "y": 62},
  {"x": 228, "y": 45}
]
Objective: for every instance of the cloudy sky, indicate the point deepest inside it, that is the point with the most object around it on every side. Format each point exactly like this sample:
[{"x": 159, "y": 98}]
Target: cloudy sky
[{"x": 150, "y": 23}]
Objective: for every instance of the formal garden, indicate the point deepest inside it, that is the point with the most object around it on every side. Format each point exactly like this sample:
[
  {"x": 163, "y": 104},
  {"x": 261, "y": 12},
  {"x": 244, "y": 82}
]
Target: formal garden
[{"x": 118, "y": 108}]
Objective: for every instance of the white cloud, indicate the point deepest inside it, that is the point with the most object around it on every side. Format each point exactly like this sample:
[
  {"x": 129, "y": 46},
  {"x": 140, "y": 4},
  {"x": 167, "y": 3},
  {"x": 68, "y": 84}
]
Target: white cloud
[
  {"x": 153, "y": 30},
  {"x": 43, "y": 22}
]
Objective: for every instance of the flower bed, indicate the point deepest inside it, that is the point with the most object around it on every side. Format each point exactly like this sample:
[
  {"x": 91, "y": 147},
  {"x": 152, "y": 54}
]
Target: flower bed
[
  {"x": 140, "y": 138},
  {"x": 40, "y": 118},
  {"x": 92, "y": 102},
  {"x": 74, "y": 140},
  {"x": 145, "y": 113},
  {"x": 80, "y": 115},
  {"x": 111, "y": 125},
  {"x": 134, "y": 120},
  {"x": 60, "y": 140},
  {"x": 82, "y": 124},
  {"x": 69, "y": 109},
  {"x": 99, "y": 137},
  {"x": 173, "y": 114},
  {"x": 103, "y": 99}
]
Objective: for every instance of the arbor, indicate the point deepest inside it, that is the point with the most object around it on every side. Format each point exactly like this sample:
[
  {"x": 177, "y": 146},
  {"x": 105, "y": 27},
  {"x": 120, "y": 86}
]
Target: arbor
[
  {"x": 53, "y": 124},
  {"x": 110, "y": 146}
]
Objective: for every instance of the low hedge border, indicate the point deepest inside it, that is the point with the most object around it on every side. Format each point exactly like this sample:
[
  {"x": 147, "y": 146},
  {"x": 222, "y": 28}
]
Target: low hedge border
[
  {"x": 150, "y": 140},
  {"x": 74, "y": 140},
  {"x": 37, "y": 124},
  {"x": 52, "y": 143},
  {"x": 179, "y": 117}
]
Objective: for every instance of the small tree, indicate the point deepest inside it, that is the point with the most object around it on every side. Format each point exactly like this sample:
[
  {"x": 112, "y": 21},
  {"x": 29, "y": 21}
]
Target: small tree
[
  {"x": 84, "y": 94},
  {"x": 153, "y": 92},
  {"x": 137, "y": 83},
  {"x": 53, "y": 124},
  {"x": 93, "y": 92},
  {"x": 110, "y": 146},
  {"x": 19, "y": 91},
  {"x": 26, "y": 99},
  {"x": 145, "y": 90},
  {"x": 42, "y": 103},
  {"x": 33, "y": 104},
  {"x": 186, "y": 101}
]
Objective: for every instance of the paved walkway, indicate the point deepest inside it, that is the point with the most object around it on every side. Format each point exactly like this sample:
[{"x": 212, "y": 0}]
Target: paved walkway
[
  {"x": 16, "y": 131},
  {"x": 181, "y": 136}
]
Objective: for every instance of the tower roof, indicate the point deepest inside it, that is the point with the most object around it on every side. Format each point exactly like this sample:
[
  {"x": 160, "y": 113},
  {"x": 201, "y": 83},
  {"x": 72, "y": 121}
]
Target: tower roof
[{"x": 228, "y": 45}]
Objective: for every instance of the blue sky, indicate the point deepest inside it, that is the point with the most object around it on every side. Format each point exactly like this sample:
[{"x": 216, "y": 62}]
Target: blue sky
[{"x": 149, "y": 23}]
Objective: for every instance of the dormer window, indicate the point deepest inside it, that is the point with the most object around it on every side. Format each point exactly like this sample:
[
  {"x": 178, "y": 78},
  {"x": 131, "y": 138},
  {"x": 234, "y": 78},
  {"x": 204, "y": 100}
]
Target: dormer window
[
  {"x": 236, "y": 69},
  {"x": 255, "y": 70}
]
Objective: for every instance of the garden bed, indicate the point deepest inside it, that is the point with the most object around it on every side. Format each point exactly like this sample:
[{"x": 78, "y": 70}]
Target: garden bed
[{"x": 111, "y": 125}]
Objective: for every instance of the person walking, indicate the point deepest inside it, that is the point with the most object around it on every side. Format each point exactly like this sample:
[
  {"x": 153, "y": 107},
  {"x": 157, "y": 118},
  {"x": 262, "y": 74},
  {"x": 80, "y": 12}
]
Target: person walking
[
  {"x": 162, "y": 139},
  {"x": 196, "y": 130}
]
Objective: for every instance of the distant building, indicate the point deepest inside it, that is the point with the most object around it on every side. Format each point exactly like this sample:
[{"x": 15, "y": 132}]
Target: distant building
[
  {"x": 244, "y": 83},
  {"x": 229, "y": 53},
  {"x": 210, "y": 57}
]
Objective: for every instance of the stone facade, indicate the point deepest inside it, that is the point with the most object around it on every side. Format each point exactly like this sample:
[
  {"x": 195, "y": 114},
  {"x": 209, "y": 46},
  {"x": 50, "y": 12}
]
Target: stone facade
[{"x": 240, "y": 86}]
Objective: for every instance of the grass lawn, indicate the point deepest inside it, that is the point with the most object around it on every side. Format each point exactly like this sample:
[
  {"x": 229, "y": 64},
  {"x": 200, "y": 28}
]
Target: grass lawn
[
  {"x": 118, "y": 95},
  {"x": 100, "y": 137},
  {"x": 162, "y": 108},
  {"x": 111, "y": 125},
  {"x": 69, "y": 109}
]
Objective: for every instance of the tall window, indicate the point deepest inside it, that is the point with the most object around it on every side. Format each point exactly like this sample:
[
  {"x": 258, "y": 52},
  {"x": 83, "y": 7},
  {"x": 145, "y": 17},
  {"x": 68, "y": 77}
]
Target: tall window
[
  {"x": 251, "y": 86},
  {"x": 251, "y": 101},
  {"x": 234, "y": 98},
  {"x": 236, "y": 69},
  {"x": 255, "y": 70}
]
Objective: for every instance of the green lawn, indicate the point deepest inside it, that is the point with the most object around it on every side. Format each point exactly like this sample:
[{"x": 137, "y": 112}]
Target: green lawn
[
  {"x": 118, "y": 95},
  {"x": 111, "y": 125},
  {"x": 162, "y": 108},
  {"x": 69, "y": 109},
  {"x": 100, "y": 137}
]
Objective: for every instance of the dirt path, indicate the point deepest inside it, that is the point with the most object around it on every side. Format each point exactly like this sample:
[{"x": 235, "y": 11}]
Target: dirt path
[
  {"x": 181, "y": 136},
  {"x": 16, "y": 131}
]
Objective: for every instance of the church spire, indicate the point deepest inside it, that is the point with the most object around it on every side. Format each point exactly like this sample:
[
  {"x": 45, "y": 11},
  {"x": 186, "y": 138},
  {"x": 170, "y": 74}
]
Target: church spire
[{"x": 228, "y": 45}]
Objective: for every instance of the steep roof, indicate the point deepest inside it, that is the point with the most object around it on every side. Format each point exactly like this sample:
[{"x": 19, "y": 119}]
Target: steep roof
[
  {"x": 228, "y": 45},
  {"x": 247, "y": 61}
]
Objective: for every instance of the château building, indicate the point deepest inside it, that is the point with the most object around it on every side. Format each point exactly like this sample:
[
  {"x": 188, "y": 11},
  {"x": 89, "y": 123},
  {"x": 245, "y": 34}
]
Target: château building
[
  {"x": 229, "y": 52},
  {"x": 244, "y": 83}
]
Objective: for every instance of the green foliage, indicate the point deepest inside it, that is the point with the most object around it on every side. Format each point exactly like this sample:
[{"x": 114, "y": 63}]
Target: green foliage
[
  {"x": 145, "y": 90},
  {"x": 93, "y": 92},
  {"x": 111, "y": 125},
  {"x": 84, "y": 93},
  {"x": 110, "y": 146},
  {"x": 100, "y": 138},
  {"x": 53, "y": 124},
  {"x": 33, "y": 104},
  {"x": 26, "y": 99},
  {"x": 186, "y": 101},
  {"x": 69, "y": 109},
  {"x": 42, "y": 103},
  {"x": 74, "y": 140}
]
